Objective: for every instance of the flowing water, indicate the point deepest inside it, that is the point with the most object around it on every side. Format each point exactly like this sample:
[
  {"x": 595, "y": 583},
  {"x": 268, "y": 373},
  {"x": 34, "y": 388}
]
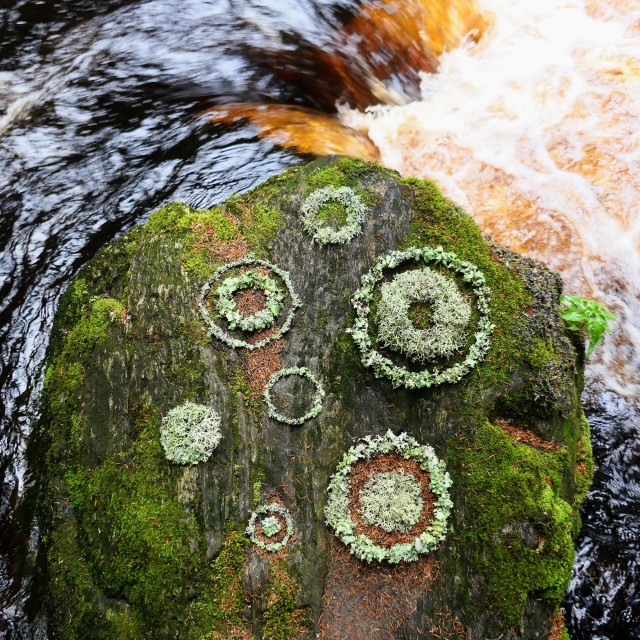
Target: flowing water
[{"x": 525, "y": 113}]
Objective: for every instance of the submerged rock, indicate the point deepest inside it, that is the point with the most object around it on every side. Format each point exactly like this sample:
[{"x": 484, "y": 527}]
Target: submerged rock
[{"x": 138, "y": 546}]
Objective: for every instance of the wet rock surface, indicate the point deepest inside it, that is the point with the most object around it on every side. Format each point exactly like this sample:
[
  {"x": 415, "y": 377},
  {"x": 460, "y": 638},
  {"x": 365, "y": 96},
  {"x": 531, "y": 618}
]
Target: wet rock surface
[{"x": 139, "y": 547}]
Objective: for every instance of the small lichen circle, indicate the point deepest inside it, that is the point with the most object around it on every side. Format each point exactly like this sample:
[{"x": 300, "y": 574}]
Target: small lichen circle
[
  {"x": 189, "y": 433},
  {"x": 266, "y": 509},
  {"x": 450, "y": 315},
  {"x": 391, "y": 501},
  {"x": 355, "y": 215},
  {"x": 219, "y": 332},
  {"x": 228, "y": 307},
  {"x": 273, "y": 412},
  {"x": 338, "y": 507},
  {"x": 383, "y": 366}
]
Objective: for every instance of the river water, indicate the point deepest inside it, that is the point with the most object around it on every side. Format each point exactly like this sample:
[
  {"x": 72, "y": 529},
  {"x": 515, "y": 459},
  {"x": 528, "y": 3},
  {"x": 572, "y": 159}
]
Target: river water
[{"x": 108, "y": 109}]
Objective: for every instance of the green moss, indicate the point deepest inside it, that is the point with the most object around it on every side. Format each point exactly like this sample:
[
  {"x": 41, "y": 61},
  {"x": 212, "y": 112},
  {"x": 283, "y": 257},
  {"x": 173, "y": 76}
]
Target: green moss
[
  {"x": 518, "y": 527},
  {"x": 439, "y": 222},
  {"x": 341, "y": 172},
  {"x": 219, "y": 606},
  {"x": 282, "y": 619},
  {"x": 77, "y": 609},
  {"x": 138, "y": 538}
]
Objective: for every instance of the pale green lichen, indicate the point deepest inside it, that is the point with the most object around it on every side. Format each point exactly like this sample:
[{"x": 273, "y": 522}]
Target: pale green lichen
[
  {"x": 262, "y": 319},
  {"x": 190, "y": 433},
  {"x": 354, "y": 208},
  {"x": 270, "y": 526},
  {"x": 217, "y": 331},
  {"x": 337, "y": 510},
  {"x": 316, "y": 406},
  {"x": 450, "y": 315},
  {"x": 391, "y": 501},
  {"x": 384, "y": 366}
]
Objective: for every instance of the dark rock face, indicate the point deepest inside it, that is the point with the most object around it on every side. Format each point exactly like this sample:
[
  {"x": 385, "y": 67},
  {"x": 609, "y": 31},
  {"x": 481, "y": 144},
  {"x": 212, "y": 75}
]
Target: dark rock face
[{"x": 140, "y": 547}]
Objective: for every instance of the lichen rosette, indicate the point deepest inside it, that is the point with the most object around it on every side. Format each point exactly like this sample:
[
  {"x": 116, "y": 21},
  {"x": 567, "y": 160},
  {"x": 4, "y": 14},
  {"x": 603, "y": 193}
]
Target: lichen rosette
[
  {"x": 270, "y": 527},
  {"x": 389, "y": 499},
  {"x": 223, "y": 316},
  {"x": 452, "y": 343},
  {"x": 323, "y": 233},
  {"x": 316, "y": 403},
  {"x": 190, "y": 433}
]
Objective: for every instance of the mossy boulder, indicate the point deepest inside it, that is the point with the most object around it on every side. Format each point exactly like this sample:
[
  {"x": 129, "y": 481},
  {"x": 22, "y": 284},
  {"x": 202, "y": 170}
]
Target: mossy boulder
[{"x": 141, "y": 547}]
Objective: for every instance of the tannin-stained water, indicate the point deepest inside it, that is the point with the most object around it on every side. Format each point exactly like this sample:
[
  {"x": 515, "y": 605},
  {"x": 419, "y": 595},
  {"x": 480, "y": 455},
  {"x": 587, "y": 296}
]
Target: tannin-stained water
[
  {"x": 107, "y": 109},
  {"x": 534, "y": 130}
]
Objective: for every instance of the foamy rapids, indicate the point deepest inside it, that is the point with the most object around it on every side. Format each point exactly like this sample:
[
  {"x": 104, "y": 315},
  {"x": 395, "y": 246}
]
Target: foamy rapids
[{"x": 535, "y": 131}]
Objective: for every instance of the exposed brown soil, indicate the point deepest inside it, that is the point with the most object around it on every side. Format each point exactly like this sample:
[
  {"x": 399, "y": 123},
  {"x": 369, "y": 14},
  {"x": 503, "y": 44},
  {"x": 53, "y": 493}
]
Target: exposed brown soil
[
  {"x": 208, "y": 240},
  {"x": 250, "y": 301},
  {"x": 581, "y": 468},
  {"x": 262, "y": 363},
  {"x": 363, "y": 471},
  {"x": 557, "y": 626},
  {"x": 525, "y": 436},
  {"x": 370, "y": 601}
]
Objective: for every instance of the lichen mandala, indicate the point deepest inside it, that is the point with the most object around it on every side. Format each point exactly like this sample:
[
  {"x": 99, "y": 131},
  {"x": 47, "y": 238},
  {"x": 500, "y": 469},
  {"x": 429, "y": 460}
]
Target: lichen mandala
[
  {"x": 449, "y": 329},
  {"x": 396, "y": 515},
  {"x": 226, "y": 309}
]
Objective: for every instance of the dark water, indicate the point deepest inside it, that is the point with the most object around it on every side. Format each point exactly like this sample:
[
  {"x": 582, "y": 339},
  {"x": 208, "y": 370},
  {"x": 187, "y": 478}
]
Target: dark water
[{"x": 100, "y": 124}]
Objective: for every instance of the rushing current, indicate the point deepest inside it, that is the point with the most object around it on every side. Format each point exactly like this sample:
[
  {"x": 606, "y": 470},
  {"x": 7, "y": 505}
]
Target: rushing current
[{"x": 524, "y": 112}]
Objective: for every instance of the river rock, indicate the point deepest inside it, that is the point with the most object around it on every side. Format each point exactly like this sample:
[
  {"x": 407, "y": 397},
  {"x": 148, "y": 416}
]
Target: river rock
[{"x": 138, "y": 546}]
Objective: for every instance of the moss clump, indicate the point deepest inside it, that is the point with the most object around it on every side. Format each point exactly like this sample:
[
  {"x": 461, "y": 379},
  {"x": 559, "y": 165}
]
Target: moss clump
[
  {"x": 218, "y": 610},
  {"x": 137, "y": 536},
  {"x": 282, "y": 619},
  {"x": 519, "y": 527}
]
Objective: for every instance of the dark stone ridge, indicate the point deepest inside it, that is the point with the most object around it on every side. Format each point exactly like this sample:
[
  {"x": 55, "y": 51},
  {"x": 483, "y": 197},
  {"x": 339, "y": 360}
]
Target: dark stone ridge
[{"x": 138, "y": 547}]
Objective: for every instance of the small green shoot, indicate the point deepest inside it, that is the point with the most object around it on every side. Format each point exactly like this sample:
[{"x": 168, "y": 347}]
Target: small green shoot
[{"x": 586, "y": 316}]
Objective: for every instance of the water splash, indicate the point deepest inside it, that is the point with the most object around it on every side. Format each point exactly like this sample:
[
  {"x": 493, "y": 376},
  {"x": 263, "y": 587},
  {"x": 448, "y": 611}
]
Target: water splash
[{"x": 534, "y": 131}]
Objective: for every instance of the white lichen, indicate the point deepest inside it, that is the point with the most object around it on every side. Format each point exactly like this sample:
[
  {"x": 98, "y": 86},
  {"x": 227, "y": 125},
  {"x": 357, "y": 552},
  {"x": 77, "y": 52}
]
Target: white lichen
[
  {"x": 391, "y": 501},
  {"x": 449, "y": 315},
  {"x": 355, "y": 214},
  {"x": 262, "y": 319},
  {"x": 220, "y": 333},
  {"x": 383, "y": 366},
  {"x": 316, "y": 406},
  {"x": 189, "y": 433},
  {"x": 269, "y": 526},
  {"x": 338, "y": 508}
]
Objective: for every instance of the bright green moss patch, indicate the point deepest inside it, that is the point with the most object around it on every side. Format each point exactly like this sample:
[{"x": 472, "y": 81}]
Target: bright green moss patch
[
  {"x": 282, "y": 619},
  {"x": 73, "y": 597},
  {"x": 138, "y": 538},
  {"x": 518, "y": 527}
]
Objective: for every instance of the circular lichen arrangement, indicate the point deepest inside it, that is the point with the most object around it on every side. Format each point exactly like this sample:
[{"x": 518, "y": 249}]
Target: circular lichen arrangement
[
  {"x": 262, "y": 319},
  {"x": 227, "y": 308},
  {"x": 449, "y": 319},
  {"x": 389, "y": 499},
  {"x": 270, "y": 527},
  {"x": 189, "y": 433},
  {"x": 303, "y": 372},
  {"x": 354, "y": 208}
]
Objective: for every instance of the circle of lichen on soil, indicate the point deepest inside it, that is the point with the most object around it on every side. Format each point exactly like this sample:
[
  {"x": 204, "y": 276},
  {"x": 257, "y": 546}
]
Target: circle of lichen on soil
[
  {"x": 333, "y": 228},
  {"x": 316, "y": 405},
  {"x": 263, "y": 286},
  {"x": 450, "y": 344},
  {"x": 258, "y": 284},
  {"x": 270, "y": 527},
  {"x": 388, "y": 500},
  {"x": 189, "y": 433}
]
